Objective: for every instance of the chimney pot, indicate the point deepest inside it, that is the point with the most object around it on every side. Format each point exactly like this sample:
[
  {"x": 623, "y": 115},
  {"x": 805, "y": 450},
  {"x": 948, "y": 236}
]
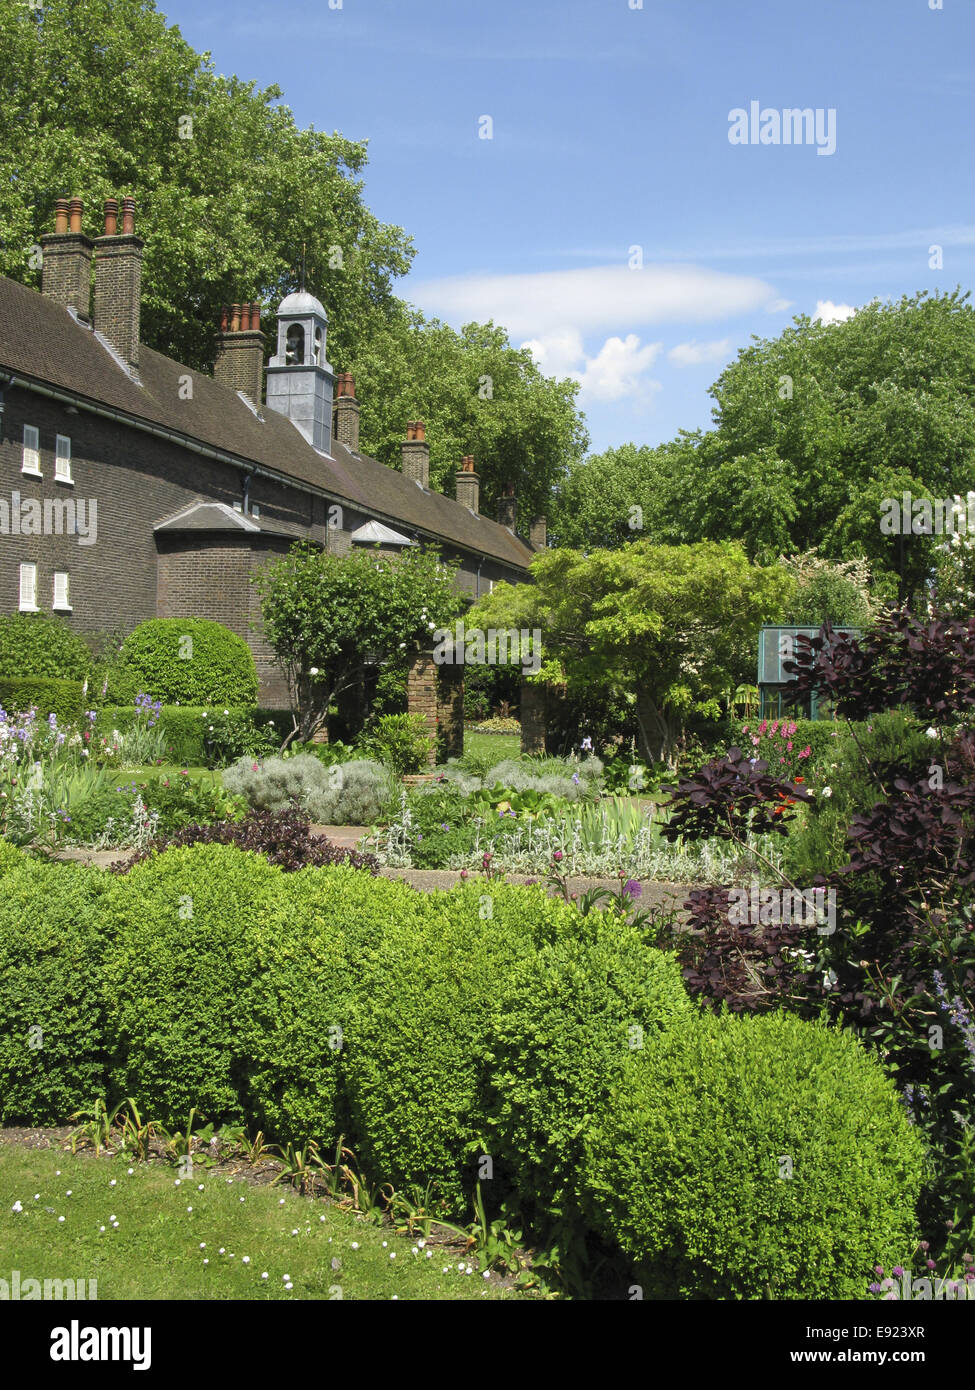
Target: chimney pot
[
  {"x": 75, "y": 210},
  {"x": 421, "y": 429},
  {"x": 128, "y": 217},
  {"x": 346, "y": 412},
  {"x": 225, "y": 318},
  {"x": 468, "y": 484},
  {"x": 410, "y": 430},
  {"x": 255, "y": 318},
  {"x": 111, "y": 217},
  {"x": 235, "y": 318},
  {"x": 61, "y": 216}
]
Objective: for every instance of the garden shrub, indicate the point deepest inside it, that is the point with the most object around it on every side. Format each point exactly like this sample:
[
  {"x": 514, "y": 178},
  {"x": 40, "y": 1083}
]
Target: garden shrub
[
  {"x": 563, "y": 1025},
  {"x": 184, "y": 661},
  {"x": 415, "y": 1066},
  {"x": 49, "y": 696},
  {"x": 188, "y": 924},
  {"x": 283, "y": 837},
  {"x": 889, "y": 746},
  {"x": 754, "y": 1157},
  {"x": 41, "y": 645},
  {"x": 53, "y": 936},
  {"x": 400, "y": 741},
  {"x": 353, "y": 793},
  {"x": 170, "y": 803},
  {"x": 184, "y": 729}
]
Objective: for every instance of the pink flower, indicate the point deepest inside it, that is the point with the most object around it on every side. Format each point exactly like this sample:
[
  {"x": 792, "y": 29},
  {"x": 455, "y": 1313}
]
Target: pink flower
[
  {"x": 805, "y": 752},
  {"x": 789, "y": 746},
  {"x": 774, "y": 728},
  {"x": 763, "y": 726},
  {"x": 756, "y": 741}
]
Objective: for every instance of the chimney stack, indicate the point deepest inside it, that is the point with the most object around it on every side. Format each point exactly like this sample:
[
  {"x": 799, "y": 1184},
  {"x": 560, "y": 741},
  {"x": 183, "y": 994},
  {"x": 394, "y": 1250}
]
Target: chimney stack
[
  {"x": 66, "y": 259},
  {"x": 538, "y": 533},
  {"x": 118, "y": 281},
  {"x": 240, "y": 351},
  {"x": 345, "y": 424},
  {"x": 508, "y": 507},
  {"x": 416, "y": 453},
  {"x": 468, "y": 484}
]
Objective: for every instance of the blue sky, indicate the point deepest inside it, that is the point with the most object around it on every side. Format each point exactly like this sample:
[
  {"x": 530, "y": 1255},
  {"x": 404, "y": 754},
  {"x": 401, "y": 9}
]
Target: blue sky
[{"x": 611, "y": 132}]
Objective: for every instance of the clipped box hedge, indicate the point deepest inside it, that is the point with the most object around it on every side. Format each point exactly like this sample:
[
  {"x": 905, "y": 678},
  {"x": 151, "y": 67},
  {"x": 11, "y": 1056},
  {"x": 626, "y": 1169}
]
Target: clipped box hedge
[
  {"x": 183, "y": 725},
  {"x": 51, "y": 696}
]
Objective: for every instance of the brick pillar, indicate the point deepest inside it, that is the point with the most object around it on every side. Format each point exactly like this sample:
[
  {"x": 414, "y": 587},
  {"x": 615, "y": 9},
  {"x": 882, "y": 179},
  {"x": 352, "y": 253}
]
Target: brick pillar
[
  {"x": 450, "y": 709},
  {"x": 421, "y": 695},
  {"x": 532, "y": 712}
]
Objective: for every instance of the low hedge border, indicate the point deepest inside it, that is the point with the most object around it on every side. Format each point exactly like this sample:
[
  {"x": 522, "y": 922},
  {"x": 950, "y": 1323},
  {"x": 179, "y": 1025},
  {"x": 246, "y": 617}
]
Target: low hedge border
[{"x": 63, "y": 698}]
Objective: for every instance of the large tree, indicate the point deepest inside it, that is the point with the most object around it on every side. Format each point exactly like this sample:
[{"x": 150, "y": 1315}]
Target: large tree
[
  {"x": 671, "y": 626},
  {"x": 102, "y": 97},
  {"x": 812, "y": 431}
]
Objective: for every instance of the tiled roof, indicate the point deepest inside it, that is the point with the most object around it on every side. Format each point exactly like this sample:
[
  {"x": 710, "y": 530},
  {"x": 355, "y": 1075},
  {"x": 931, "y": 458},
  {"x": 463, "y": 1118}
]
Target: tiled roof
[{"x": 41, "y": 340}]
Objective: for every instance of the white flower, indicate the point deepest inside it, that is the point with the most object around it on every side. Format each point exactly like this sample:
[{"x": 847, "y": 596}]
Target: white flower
[
  {"x": 827, "y": 791},
  {"x": 226, "y": 711},
  {"x": 264, "y": 1275},
  {"x": 60, "y": 1218},
  {"x": 17, "y": 1206},
  {"x": 313, "y": 670},
  {"x": 931, "y": 732},
  {"x": 112, "y": 1183},
  {"x": 355, "y": 1245},
  {"x": 247, "y": 1259}
]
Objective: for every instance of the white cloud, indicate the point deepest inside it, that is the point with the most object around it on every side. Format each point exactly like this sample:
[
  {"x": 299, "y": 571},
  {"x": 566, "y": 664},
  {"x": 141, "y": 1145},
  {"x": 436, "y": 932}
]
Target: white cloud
[
  {"x": 694, "y": 354},
  {"x": 600, "y": 298},
  {"x": 619, "y": 369},
  {"x": 828, "y": 312}
]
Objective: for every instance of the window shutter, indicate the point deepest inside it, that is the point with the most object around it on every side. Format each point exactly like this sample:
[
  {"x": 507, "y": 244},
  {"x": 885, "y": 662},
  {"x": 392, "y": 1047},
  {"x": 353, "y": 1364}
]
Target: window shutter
[
  {"x": 32, "y": 450},
  {"x": 61, "y": 598},
  {"x": 62, "y": 460},
  {"x": 28, "y": 587}
]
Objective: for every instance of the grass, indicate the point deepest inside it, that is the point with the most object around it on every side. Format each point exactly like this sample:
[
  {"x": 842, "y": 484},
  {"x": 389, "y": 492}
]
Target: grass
[
  {"x": 162, "y": 1250},
  {"x": 497, "y": 747}
]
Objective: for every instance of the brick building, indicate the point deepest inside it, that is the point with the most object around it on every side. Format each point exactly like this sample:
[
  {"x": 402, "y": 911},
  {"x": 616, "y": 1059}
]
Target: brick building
[{"x": 134, "y": 487}]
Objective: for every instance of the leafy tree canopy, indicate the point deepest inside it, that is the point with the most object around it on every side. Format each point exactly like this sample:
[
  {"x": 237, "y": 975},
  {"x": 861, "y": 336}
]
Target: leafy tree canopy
[
  {"x": 812, "y": 430},
  {"x": 672, "y": 626}
]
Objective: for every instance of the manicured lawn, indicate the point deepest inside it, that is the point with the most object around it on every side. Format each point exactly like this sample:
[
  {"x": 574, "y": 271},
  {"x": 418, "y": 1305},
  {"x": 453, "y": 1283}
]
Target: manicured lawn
[
  {"x": 497, "y": 747},
  {"x": 162, "y": 1249}
]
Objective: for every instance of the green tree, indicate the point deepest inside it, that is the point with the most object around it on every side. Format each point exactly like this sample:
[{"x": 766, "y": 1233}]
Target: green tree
[
  {"x": 674, "y": 627},
  {"x": 481, "y": 395},
  {"x": 328, "y": 618},
  {"x": 812, "y": 430},
  {"x": 101, "y": 98}
]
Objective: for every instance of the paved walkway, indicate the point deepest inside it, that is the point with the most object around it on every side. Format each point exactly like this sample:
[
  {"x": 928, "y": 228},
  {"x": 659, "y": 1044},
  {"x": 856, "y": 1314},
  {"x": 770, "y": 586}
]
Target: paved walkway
[{"x": 653, "y": 894}]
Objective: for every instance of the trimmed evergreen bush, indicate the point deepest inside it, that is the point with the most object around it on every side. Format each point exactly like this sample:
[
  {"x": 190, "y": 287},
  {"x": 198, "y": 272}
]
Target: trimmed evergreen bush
[
  {"x": 51, "y": 696},
  {"x": 54, "y": 933},
  {"x": 421, "y": 1033},
  {"x": 754, "y": 1157},
  {"x": 184, "y": 661},
  {"x": 184, "y": 976},
  {"x": 565, "y": 1022},
  {"x": 41, "y": 644}
]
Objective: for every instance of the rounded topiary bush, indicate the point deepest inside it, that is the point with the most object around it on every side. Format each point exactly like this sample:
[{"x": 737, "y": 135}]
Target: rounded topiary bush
[
  {"x": 184, "y": 661},
  {"x": 53, "y": 938},
  {"x": 418, "y": 1042},
  {"x": 296, "y": 1024},
  {"x": 184, "y": 976},
  {"x": 39, "y": 644},
  {"x": 565, "y": 1022},
  {"x": 754, "y": 1157}
]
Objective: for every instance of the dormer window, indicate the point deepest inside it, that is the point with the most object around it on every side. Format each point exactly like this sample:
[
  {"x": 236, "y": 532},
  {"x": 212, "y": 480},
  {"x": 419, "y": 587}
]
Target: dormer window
[{"x": 295, "y": 346}]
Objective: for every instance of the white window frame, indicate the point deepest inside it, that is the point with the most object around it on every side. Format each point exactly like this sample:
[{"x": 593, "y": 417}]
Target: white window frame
[
  {"x": 28, "y": 589},
  {"x": 31, "y": 462},
  {"x": 65, "y": 605},
  {"x": 62, "y": 459}
]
